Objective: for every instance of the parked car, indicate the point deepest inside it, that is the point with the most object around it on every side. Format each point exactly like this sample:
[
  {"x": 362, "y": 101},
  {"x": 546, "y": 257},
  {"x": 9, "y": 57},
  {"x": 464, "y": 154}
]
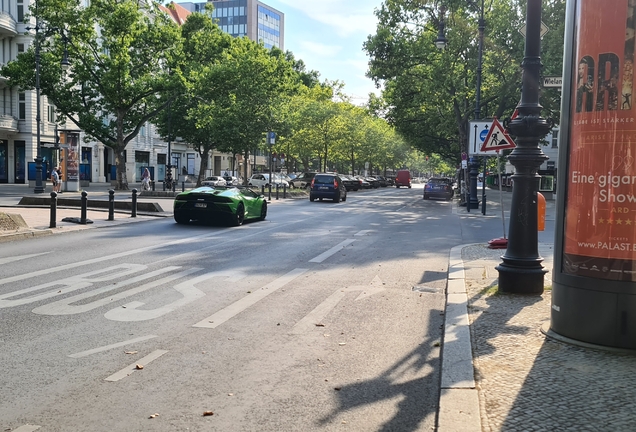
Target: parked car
[
  {"x": 221, "y": 203},
  {"x": 403, "y": 178},
  {"x": 232, "y": 181},
  {"x": 390, "y": 181},
  {"x": 329, "y": 186},
  {"x": 363, "y": 183},
  {"x": 438, "y": 188},
  {"x": 351, "y": 183},
  {"x": 259, "y": 180},
  {"x": 214, "y": 181},
  {"x": 302, "y": 181},
  {"x": 382, "y": 180},
  {"x": 374, "y": 182}
]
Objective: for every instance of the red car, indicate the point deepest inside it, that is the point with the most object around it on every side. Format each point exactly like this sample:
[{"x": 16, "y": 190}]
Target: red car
[{"x": 403, "y": 178}]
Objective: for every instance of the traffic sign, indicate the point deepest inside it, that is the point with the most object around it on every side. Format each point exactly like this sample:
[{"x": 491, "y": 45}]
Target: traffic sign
[
  {"x": 552, "y": 81},
  {"x": 478, "y": 129},
  {"x": 271, "y": 138},
  {"x": 544, "y": 30},
  {"x": 497, "y": 138}
]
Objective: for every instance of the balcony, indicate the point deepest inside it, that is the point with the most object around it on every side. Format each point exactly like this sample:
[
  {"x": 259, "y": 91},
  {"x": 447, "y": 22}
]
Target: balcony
[
  {"x": 8, "y": 26},
  {"x": 8, "y": 123}
]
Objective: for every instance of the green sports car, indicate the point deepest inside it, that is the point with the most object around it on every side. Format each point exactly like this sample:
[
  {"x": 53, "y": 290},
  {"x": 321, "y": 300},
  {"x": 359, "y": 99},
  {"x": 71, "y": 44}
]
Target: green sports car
[{"x": 231, "y": 204}]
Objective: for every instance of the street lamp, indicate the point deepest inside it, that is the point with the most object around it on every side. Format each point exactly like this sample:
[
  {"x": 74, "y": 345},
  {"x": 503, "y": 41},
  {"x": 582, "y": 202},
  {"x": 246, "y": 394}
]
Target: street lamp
[
  {"x": 64, "y": 64},
  {"x": 521, "y": 270}
]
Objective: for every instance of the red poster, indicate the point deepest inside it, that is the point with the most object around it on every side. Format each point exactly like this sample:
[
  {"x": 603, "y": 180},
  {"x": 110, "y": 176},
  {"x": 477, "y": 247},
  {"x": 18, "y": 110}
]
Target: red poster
[{"x": 600, "y": 217}]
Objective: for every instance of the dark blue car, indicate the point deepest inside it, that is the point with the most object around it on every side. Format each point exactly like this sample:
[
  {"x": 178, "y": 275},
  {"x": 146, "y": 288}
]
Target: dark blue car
[{"x": 328, "y": 186}]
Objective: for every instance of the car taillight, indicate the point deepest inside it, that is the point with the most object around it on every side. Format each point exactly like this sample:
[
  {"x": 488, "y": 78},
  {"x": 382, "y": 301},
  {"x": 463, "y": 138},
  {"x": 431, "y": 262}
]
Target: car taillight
[
  {"x": 312, "y": 182},
  {"x": 428, "y": 186},
  {"x": 335, "y": 184}
]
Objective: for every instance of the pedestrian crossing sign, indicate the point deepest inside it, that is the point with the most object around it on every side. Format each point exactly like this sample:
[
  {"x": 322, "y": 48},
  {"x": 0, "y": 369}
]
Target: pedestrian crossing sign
[{"x": 497, "y": 138}]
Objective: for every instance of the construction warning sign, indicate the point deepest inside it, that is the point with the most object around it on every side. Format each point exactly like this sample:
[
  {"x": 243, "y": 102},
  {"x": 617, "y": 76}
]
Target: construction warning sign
[{"x": 497, "y": 138}]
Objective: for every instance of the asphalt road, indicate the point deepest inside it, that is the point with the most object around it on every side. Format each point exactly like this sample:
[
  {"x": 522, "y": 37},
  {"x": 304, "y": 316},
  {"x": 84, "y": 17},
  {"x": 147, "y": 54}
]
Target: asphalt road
[{"x": 323, "y": 317}]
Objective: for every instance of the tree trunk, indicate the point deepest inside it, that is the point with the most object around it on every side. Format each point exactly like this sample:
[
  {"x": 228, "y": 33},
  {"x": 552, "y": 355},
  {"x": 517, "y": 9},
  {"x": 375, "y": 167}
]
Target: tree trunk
[
  {"x": 122, "y": 178},
  {"x": 245, "y": 164},
  {"x": 353, "y": 162},
  {"x": 203, "y": 167}
]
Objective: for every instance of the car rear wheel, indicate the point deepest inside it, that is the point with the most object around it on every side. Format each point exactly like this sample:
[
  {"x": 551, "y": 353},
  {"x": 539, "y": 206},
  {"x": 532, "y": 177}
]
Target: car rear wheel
[
  {"x": 181, "y": 218},
  {"x": 239, "y": 216},
  {"x": 337, "y": 198},
  {"x": 425, "y": 197},
  {"x": 344, "y": 198},
  {"x": 311, "y": 198},
  {"x": 263, "y": 211}
]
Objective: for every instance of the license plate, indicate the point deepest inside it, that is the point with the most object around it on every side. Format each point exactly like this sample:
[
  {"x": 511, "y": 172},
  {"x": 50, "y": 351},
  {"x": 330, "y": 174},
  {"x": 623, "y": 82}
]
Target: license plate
[
  {"x": 323, "y": 188},
  {"x": 200, "y": 205}
]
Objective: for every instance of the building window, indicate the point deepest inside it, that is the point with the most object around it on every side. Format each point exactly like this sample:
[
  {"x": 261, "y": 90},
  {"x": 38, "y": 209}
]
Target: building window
[
  {"x": 555, "y": 139},
  {"x": 20, "y": 11},
  {"x": 21, "y": 106},
  {"x": 51, "y": 114},
  {"x": 20, "y": 48},
  {"x": 142, "y": 131}
]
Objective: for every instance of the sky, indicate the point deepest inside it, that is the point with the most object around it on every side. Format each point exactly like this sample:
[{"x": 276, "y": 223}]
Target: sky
[{"x": 328, "y": 36}]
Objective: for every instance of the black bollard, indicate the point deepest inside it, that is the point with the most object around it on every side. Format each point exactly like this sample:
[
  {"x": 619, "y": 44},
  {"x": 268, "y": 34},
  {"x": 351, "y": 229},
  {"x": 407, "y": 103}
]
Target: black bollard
[
  {"x": 83, "y": 211},
  {"x": 111, "y": 205},
  {"x": 263, "y": 190},
  {"x": 153, "y": 186},
  {"x": 53, "y": 220},
  {"x": 134, "y": 203},
  {"x": 284, "y": 191},
  {"x": 269, "y": 198},
  {"x": 182, "y": 186},
  {"x": 277, "y": 187}
]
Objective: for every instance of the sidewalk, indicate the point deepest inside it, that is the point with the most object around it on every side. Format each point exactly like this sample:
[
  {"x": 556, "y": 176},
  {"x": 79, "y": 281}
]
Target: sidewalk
[{"x": 511, "y": 377}]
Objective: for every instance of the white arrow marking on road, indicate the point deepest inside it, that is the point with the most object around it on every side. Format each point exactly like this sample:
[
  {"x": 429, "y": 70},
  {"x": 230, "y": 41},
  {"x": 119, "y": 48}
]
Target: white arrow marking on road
[
  {"x": 108, "y": 347},
  {"x": 21, "y": 257},
  {"x": 239, "y": 306},
  {"x": 323, "y": 256},
  {"x": 65, "y": 307},
  {"x": 133, "y": 367},
  {"x": 322, "y": 310},
  {"x": 129, "y": 312}
]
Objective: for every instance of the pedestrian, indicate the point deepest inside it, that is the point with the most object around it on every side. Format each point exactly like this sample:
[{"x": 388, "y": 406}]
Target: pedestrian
[
  {"x": 145, "y": 179},
  {"x": 55, "y": 179},
  {"x": 59, "y": 181}
]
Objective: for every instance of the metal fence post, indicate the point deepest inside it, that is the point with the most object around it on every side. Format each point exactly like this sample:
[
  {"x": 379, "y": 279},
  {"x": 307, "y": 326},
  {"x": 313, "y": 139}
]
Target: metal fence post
[
  {"x": 53, "y": 219},
  {"x": 83, "y": 211},
  {"x": 277, "y": 187},
  {"x": 111, "y": 205},
  {"x": 270, "y": 193},
  {"x": 183, "y": 186},
  {"x": 134, "y": 203},
  {"x": 284, "y": 191}
]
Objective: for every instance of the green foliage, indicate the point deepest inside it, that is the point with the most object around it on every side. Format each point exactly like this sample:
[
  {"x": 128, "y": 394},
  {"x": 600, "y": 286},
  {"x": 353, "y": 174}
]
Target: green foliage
[
  {"x": 117, "y": 72},
  {"x": 430, "y": 93}
]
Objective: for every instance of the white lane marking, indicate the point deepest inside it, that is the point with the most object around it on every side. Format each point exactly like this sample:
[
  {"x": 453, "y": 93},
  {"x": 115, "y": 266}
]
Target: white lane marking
[
  {"x": 314, "y": 317},
  {"x": 319, "y": 313},
  {"x": 130, "y": 312},
  {"x": 27, "y": 428},
  {"x": 323, "y": 256},
  {"x": 361, "y": 233},
  {"x": 74, "y": 265},
  {"x": 20, "y": 257},
  {"x": 64, "y": 306},
  {"x": 133, "y": 367},
  {"x": 112, "y": 346},
  {"x": 401, "y": 208},
  {"x": 239, "y": 306}
]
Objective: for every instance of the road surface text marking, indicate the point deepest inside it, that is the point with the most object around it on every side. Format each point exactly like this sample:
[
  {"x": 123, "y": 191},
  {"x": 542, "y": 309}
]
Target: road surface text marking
[
  {"x": 361, "y": 233},
  {"x": 129, "y": 312},
  {"x": 133, "y": 367},
  {"x": 109, "y": 347},
  {"x": 239, "y": 306},
  {"x": 18, "y": 258},
  {"x": 323, "y": 256},
  {"x": 322, "y": 310}
]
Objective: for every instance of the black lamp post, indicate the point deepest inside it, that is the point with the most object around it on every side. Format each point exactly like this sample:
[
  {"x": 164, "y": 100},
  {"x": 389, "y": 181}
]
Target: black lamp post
[
  {"x": 39, "y": 187},
  {"x": 521, "y": 270},
  {"x": 440, "y": 42}
]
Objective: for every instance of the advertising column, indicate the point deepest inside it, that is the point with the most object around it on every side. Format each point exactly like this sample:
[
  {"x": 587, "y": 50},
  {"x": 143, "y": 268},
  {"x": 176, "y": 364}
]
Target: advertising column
[
  {"x": 72, "y": 174},
  {"x": 594, "y": 289}
]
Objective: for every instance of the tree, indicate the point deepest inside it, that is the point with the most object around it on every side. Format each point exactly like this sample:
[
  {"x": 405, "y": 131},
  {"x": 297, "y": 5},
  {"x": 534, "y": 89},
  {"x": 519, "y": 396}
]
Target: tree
[
  {"x": 430, "y": 93},
  {"x": 120, "y": 53}
]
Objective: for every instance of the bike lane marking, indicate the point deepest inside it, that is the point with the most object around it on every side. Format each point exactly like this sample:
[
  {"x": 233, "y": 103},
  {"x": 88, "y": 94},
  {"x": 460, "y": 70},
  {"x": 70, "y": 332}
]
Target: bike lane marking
[
  {"x": 20, "y": 257},
  {"x": 239, "y": 306},
  {"x": 129, "y": 312},
  {"x": 27, "y": 428},
  {"x": 323, "y": 256},
  {"x": 111, "y": 346},
  {"x": 133, "y": 367}
]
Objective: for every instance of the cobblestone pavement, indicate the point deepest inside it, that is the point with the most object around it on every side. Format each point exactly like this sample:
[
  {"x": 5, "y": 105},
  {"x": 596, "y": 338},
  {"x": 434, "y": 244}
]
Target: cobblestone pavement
[{"x": 528, "y": 382}]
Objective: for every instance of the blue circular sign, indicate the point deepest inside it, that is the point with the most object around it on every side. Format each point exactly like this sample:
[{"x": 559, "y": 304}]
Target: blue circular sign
[{"x": 483, "y": 134}]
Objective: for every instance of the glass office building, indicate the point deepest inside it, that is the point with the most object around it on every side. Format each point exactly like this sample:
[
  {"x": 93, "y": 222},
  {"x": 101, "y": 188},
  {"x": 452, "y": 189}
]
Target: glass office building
[{"x": 250, "y": 18}]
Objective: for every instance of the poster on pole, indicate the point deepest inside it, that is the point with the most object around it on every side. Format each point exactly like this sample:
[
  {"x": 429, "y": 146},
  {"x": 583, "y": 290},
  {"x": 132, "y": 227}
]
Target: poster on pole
[{"x": 599, "y": 239}]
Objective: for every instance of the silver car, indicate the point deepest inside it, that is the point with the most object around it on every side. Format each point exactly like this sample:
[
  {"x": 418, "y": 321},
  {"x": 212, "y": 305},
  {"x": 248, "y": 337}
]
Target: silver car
[{"x": 214, "y": 181}]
